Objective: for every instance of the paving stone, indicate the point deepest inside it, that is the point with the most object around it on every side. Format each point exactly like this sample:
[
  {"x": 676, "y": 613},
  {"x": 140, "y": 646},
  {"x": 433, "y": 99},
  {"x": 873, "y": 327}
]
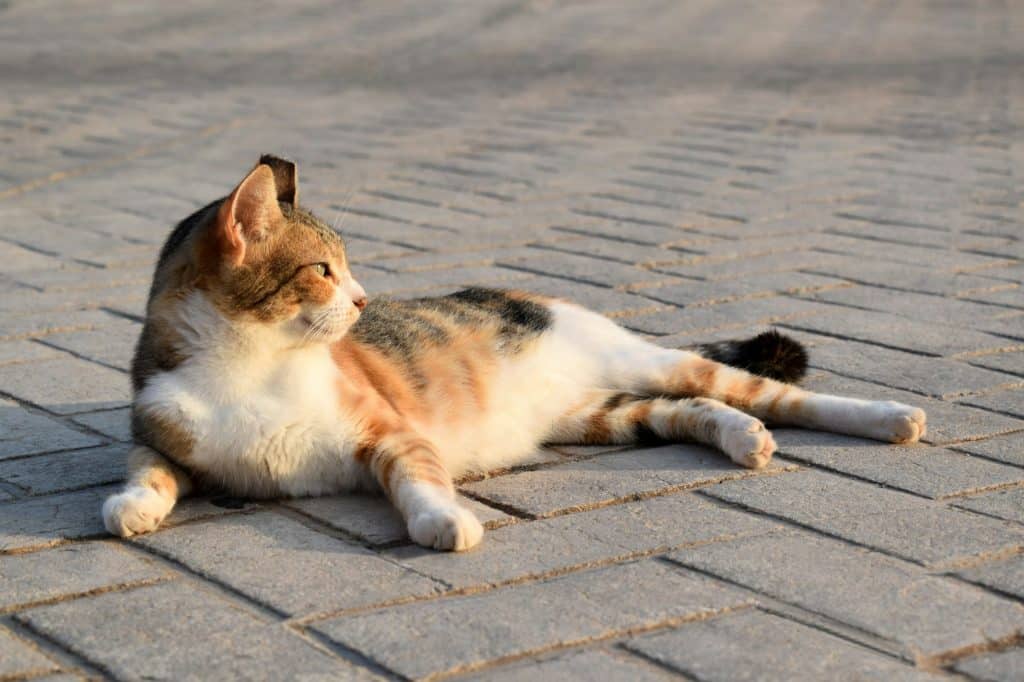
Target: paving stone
[
  {"x": 735, "y": 314},
  {"x": 115, "y": 424},
  {"x": 1006, "y": 504},
  {"x": 43, "y": 521},
  {"x": 912, "y": 305},
  {"x": 708, "y": 293},
  {"x": 927, "y": 615},
  {"x": 936, "y": 377},
  {"x": 997, "y": 667},
  {"x": 754, "y": 645},
  {"x": 39, "y": 324},
  {"x": 1006, "y": 576},
  {"x": 66, "y": 385},
  {"x": 609, "y": 477},
  {"x": 112, "y": 345},
  {"x": 374, "y": 519},
  {"x": 25, "y": 351},
  {"x": 929, "y": 471},
  {"x": 27, "y": 433},
  {"x": 581, "y": 268},
  {"x": 69, "y": 470},
  {"x": 1009, "y": 448},
  {"x": 175, "y": 632},
  {"x": 898, "y": 332},
  {"x": 83, "y": 568},
  {"x": 867, "y": 514},
  {"x": 281, "y": 563},
  {"x": 550, "y": 545},
  {"x": 947, "y": 422},
  {"x": 578, "y": 666},
  {"x": 576, "y": 608},
  {"x": 19, "y": 660},
  {"x": 1009, "y": 363},
  {"x": 46, "y": 520}
]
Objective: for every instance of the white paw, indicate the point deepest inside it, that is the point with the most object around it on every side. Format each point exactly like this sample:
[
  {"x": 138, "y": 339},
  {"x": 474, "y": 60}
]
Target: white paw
[
  {"x": 899, "y": 423},
  {"x": 448, "y": 527},
  {"x": 136, "y": 510},
  {"x": 748, "y": 443}
]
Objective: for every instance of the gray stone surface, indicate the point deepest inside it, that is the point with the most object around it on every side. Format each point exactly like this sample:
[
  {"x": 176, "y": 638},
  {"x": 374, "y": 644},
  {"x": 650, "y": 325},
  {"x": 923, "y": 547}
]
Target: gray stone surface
[
  {"x": 754, "y": 645},
  {"x": 579, "y": 540},
  {"x": 114, "y": 424},
  {"x": 374, "y": 519},
  {"x": 925, "y": 614},
  {"x": 574, "y": 609},
  {"x": 66, "y": 385},
  {"x": 610, "y": 477},
  {"x": 66, "y": 470},
  {"x": 929, "y": 471},
  {"x": 1006, "y": 504},
  {"x": 20, "y": 660},
  {"x": 997, "y": 667},
  {"x": 286, "y": 565},
  {"x": 26, "y": 433},
  {"x": 697, "y": 171},
  {"x": 30, "y": 578},
  {"x": 870, "y": 515},
  {"x": 1009, "y": 449},
  {"x": 1006, "y": 576},
  {"x": 579, "y": 666},
  {"x": 176, "y": 632}
]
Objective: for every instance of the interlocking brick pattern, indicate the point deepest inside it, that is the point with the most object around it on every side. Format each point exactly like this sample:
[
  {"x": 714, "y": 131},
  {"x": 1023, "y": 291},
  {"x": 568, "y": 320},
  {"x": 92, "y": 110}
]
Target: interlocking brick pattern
[{"x": 849, "y": 172}]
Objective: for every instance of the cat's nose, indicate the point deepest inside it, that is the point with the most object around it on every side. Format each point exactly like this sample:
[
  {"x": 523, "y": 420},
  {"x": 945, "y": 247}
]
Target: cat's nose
[{"x": 359, "y": 302}]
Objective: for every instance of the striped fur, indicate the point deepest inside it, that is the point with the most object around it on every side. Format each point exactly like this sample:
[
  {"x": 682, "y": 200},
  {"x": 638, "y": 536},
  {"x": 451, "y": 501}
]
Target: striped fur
[{"x": 262, "y": 371}]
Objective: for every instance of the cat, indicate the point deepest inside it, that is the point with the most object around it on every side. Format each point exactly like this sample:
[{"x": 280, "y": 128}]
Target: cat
[{"x": 263, "y": 371}]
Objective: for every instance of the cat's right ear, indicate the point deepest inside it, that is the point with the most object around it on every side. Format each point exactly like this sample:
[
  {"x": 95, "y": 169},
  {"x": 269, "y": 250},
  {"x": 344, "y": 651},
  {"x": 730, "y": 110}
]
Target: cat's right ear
[
  {"x": 286, "y": 178},
  {"x": 248, "y": 214}
]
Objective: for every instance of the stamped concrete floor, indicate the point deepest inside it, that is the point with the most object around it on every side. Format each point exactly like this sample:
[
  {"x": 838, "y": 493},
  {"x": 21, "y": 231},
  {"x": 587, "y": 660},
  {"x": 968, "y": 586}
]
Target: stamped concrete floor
[{"x": 848, "y": 172}]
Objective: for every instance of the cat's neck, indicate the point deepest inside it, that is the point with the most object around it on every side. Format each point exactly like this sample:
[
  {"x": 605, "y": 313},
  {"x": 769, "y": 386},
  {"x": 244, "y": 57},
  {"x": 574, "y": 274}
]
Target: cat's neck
[{"x": 233, "y": 360}]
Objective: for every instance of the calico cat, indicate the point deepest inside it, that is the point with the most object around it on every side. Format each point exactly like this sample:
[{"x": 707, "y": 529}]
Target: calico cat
[{"x": 263, "y": 371}]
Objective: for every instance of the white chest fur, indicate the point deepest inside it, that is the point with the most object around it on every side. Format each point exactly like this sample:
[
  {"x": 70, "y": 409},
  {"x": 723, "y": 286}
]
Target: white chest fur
[{"x": 260, "y": 425}]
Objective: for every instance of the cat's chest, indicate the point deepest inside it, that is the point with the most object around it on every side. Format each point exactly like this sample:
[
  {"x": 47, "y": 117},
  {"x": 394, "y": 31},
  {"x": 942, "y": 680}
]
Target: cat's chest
[{"x": 279, "y": 432}]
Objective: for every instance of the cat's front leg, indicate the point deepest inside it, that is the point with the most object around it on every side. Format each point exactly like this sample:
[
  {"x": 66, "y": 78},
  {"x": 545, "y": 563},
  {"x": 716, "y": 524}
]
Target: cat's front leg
[
  {"x": 154, "y": 486},
  {"x": 411, "y": 473}
]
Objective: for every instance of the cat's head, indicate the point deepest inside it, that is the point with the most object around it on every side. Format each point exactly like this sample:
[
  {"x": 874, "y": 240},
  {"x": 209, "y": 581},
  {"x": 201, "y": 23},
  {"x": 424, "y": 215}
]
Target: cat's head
[{"x": 265, "y": 267}]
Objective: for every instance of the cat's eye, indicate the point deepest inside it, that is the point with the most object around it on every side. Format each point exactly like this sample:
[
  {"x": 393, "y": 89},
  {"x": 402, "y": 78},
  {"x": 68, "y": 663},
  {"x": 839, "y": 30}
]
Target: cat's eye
[{"x": 322, "y": 269}]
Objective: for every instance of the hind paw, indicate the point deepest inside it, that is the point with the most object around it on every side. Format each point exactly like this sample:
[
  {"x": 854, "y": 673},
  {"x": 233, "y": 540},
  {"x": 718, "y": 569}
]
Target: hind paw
[{"x": 748, "y": 443}]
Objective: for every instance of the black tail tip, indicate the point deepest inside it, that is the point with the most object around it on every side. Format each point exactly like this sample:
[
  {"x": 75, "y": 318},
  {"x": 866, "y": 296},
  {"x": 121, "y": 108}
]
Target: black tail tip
[{"x": 769, "y": 354}]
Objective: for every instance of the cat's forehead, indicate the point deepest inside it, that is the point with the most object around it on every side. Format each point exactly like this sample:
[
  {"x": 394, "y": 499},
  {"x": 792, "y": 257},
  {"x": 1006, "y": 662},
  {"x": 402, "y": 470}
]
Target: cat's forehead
[{"x": 307, "y": 221}]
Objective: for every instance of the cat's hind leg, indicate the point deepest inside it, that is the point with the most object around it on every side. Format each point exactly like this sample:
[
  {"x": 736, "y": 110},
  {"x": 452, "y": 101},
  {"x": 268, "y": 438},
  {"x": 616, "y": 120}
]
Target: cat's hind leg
[
  {"x": 154, "y": 486},
  {"x": 688, "y": 374},
  {"x": 607, "y": 417},
  {"x": 409, "y": 470}
]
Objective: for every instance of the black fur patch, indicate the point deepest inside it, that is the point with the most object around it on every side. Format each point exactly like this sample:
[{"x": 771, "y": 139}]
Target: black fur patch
[
  {"x": 523, "y": 316},
  {"x": 770, "y": 354}
]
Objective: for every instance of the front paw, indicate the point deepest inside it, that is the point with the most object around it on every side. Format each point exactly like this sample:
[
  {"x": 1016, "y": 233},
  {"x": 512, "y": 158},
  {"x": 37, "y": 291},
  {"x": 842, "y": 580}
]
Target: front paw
[
  {"x": 901, "y": 423},
  {"x": 136, "y": 510},
  {"x": 448, "y": 528}
]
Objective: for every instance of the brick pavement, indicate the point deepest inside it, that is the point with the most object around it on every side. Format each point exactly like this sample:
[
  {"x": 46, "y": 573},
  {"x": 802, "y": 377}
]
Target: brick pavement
[{"x": 696, "y": 170}]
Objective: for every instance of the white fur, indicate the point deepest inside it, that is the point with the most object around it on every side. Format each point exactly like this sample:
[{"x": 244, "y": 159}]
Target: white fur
[
  {"x": 264, "y": 413},
  {"x": 137, "y": 509}
]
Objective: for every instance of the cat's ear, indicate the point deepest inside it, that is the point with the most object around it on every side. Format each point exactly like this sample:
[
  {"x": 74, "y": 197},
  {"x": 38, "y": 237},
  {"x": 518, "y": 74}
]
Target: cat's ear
[
  {"x": 286, "y": 178},
  {"x": 248, "y": 214}
]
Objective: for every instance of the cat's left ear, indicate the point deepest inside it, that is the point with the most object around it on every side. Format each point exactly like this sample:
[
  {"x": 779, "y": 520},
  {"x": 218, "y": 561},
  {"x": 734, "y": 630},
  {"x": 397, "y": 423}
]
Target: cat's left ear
[
  {"x": 286, "y": 178},
  {"x": 248, "y": 214}
]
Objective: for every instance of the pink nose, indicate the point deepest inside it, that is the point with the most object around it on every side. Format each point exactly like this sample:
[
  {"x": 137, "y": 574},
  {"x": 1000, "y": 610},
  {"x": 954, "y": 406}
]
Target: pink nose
[{"x": 359, "y": 302}]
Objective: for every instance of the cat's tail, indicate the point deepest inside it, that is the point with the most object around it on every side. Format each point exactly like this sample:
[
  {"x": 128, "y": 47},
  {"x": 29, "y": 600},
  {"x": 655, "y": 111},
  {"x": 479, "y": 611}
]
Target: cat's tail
[{"x": 769, "y": 354}]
